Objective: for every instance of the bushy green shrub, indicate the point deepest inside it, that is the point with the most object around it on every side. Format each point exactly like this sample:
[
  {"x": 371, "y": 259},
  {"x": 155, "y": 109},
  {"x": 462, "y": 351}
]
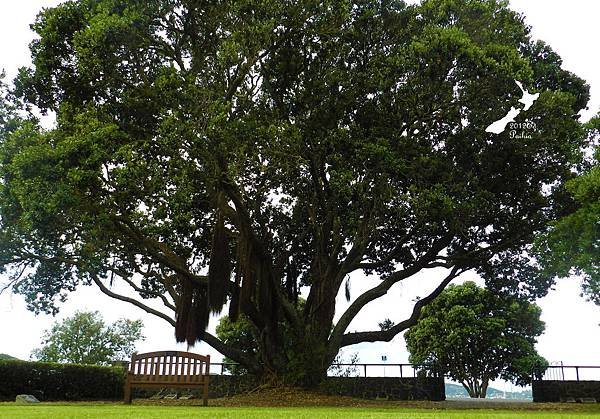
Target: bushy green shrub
[{"x": 51, "y": 381}]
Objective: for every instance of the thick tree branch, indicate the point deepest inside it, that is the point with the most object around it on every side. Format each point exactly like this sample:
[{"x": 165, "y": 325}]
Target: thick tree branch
[
  {"x": 241, "y": 71},
  {"x": 14, "y": 278},
  {"x": 167, "y": 281},
  {"x": 247, "y": 361},
  {"x": 380, "y": 290},
  {"x": 351, "y": 312},
  {"x": 385, "y": 260},
  {"x": 359, "y": 246},
  {"x": 140, "y": 290},
  {"x": 130, "y": 300},
  {"x": 387, "y": 335},
  {"x": 160, "y": 251}
]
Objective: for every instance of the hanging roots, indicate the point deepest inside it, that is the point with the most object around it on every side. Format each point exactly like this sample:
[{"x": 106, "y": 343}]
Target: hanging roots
[{"x": 219, "y": 269}]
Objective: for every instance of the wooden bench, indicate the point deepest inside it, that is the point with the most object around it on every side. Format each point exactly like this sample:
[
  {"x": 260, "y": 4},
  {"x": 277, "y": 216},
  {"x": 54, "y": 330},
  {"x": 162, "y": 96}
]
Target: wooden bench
[{"x": 168, "y": 369}]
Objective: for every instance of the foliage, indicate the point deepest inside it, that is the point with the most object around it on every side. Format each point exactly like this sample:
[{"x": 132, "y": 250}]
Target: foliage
[
  {"x": 238, "y": 335},
  {"x": 84, "y": 338},
  {"x": 342, "y": 367},
  {"x": 6, "y": 357},
  {"x": 386, "y": 324},
  {"x": 475, "y": 336},
  {"x": 50, "y": 381},
  {"x": 573, "y": 244},
  {"x": 242, "y": 151}
]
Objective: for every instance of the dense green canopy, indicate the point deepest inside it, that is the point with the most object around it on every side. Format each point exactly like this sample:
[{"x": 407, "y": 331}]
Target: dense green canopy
[
  {"x": 85, "y": 338},
  {"x": 239, "y": 151},
  {"x": 572, "y": 246},
  {"x": 474, "y": 336}
]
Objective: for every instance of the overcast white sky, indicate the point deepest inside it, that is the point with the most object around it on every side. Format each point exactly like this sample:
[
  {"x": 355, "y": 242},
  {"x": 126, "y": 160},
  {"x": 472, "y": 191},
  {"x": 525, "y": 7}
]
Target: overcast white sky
[{"x": 572, "y": 324}]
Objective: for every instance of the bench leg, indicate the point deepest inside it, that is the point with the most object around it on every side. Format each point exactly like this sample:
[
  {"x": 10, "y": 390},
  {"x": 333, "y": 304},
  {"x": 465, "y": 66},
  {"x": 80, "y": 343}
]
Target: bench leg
[
  {"x": 127, "y": 392},
  {"x": 205, "y": 395}
]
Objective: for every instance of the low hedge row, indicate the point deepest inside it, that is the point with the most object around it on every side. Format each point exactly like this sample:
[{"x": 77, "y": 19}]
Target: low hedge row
[{"x": 50, "y": 381}]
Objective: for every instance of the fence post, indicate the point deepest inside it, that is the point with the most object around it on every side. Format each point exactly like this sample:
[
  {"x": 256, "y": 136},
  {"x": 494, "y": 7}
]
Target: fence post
[
  {"x": 577, "y": 372},
  {"x": 365, "y": 367},
  {"x": 400, "y": 370}
]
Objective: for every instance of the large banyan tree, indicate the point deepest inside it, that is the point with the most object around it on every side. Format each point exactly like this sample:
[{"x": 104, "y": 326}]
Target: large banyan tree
[{"x": 213, "y": 154}]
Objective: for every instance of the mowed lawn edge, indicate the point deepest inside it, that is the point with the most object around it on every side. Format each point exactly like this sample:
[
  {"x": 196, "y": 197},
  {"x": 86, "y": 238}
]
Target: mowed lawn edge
[{"x": 113, "y": 410}]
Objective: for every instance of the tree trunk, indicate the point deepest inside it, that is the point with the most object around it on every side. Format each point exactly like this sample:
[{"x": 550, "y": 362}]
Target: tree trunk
[
  {"x": 290, "y": 354},
  {"x": 299, "y": 362},
  {"x": 484, "y": 386},
  {"x": 476, "y": 389},
  {"x": 470, "y": 387}
]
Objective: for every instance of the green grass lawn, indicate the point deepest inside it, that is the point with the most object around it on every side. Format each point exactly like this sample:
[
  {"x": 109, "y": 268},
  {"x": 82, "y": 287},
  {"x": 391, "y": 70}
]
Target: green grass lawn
[{"x": 63, "y": 411}]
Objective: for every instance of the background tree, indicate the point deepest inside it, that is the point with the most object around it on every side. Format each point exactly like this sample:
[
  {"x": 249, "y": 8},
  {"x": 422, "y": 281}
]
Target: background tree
[
  {"x": 84, "y": 338},
  {"x": 572, "y": 246},
  {"x": 237, "y": 335},
  {"x": 242, "y": 152},
  {"x": 474, "y": 336}
]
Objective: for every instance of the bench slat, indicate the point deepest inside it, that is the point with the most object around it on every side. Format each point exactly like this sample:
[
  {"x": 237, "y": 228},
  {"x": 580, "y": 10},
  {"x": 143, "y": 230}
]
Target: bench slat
[
  {"x": 188, "y": 369},
  {"x": 146, "y": 367},
  {"x": 157, "y": 367}
]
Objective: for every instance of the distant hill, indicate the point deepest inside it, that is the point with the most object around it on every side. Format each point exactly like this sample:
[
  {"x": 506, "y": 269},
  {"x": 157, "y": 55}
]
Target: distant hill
[
  {"x": 4, "y": 357},
  {"x": 456, "y": 390}
]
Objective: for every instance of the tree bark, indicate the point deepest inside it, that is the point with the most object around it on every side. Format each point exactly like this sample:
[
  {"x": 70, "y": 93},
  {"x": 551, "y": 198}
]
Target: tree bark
[
  {"x": 484, "y": 387},
  {"x": 468, "y": 385}
]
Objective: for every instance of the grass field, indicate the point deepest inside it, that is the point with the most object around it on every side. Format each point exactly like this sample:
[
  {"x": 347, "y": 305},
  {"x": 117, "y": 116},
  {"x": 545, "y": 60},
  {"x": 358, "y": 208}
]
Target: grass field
[{"x": 89, "y": 410}]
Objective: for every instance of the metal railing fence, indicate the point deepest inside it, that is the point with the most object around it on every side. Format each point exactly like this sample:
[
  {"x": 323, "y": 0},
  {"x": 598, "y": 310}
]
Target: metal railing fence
[{"x": 568, "y": 373}]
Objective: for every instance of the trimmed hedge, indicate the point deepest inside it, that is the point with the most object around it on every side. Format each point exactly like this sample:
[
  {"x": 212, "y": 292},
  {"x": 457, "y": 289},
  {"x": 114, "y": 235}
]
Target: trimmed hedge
[{"x": 51, "y": 381}]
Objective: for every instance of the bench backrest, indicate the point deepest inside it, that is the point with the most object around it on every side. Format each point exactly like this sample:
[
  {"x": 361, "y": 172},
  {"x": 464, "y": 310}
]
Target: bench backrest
[{"x": 169, "y": 366}]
